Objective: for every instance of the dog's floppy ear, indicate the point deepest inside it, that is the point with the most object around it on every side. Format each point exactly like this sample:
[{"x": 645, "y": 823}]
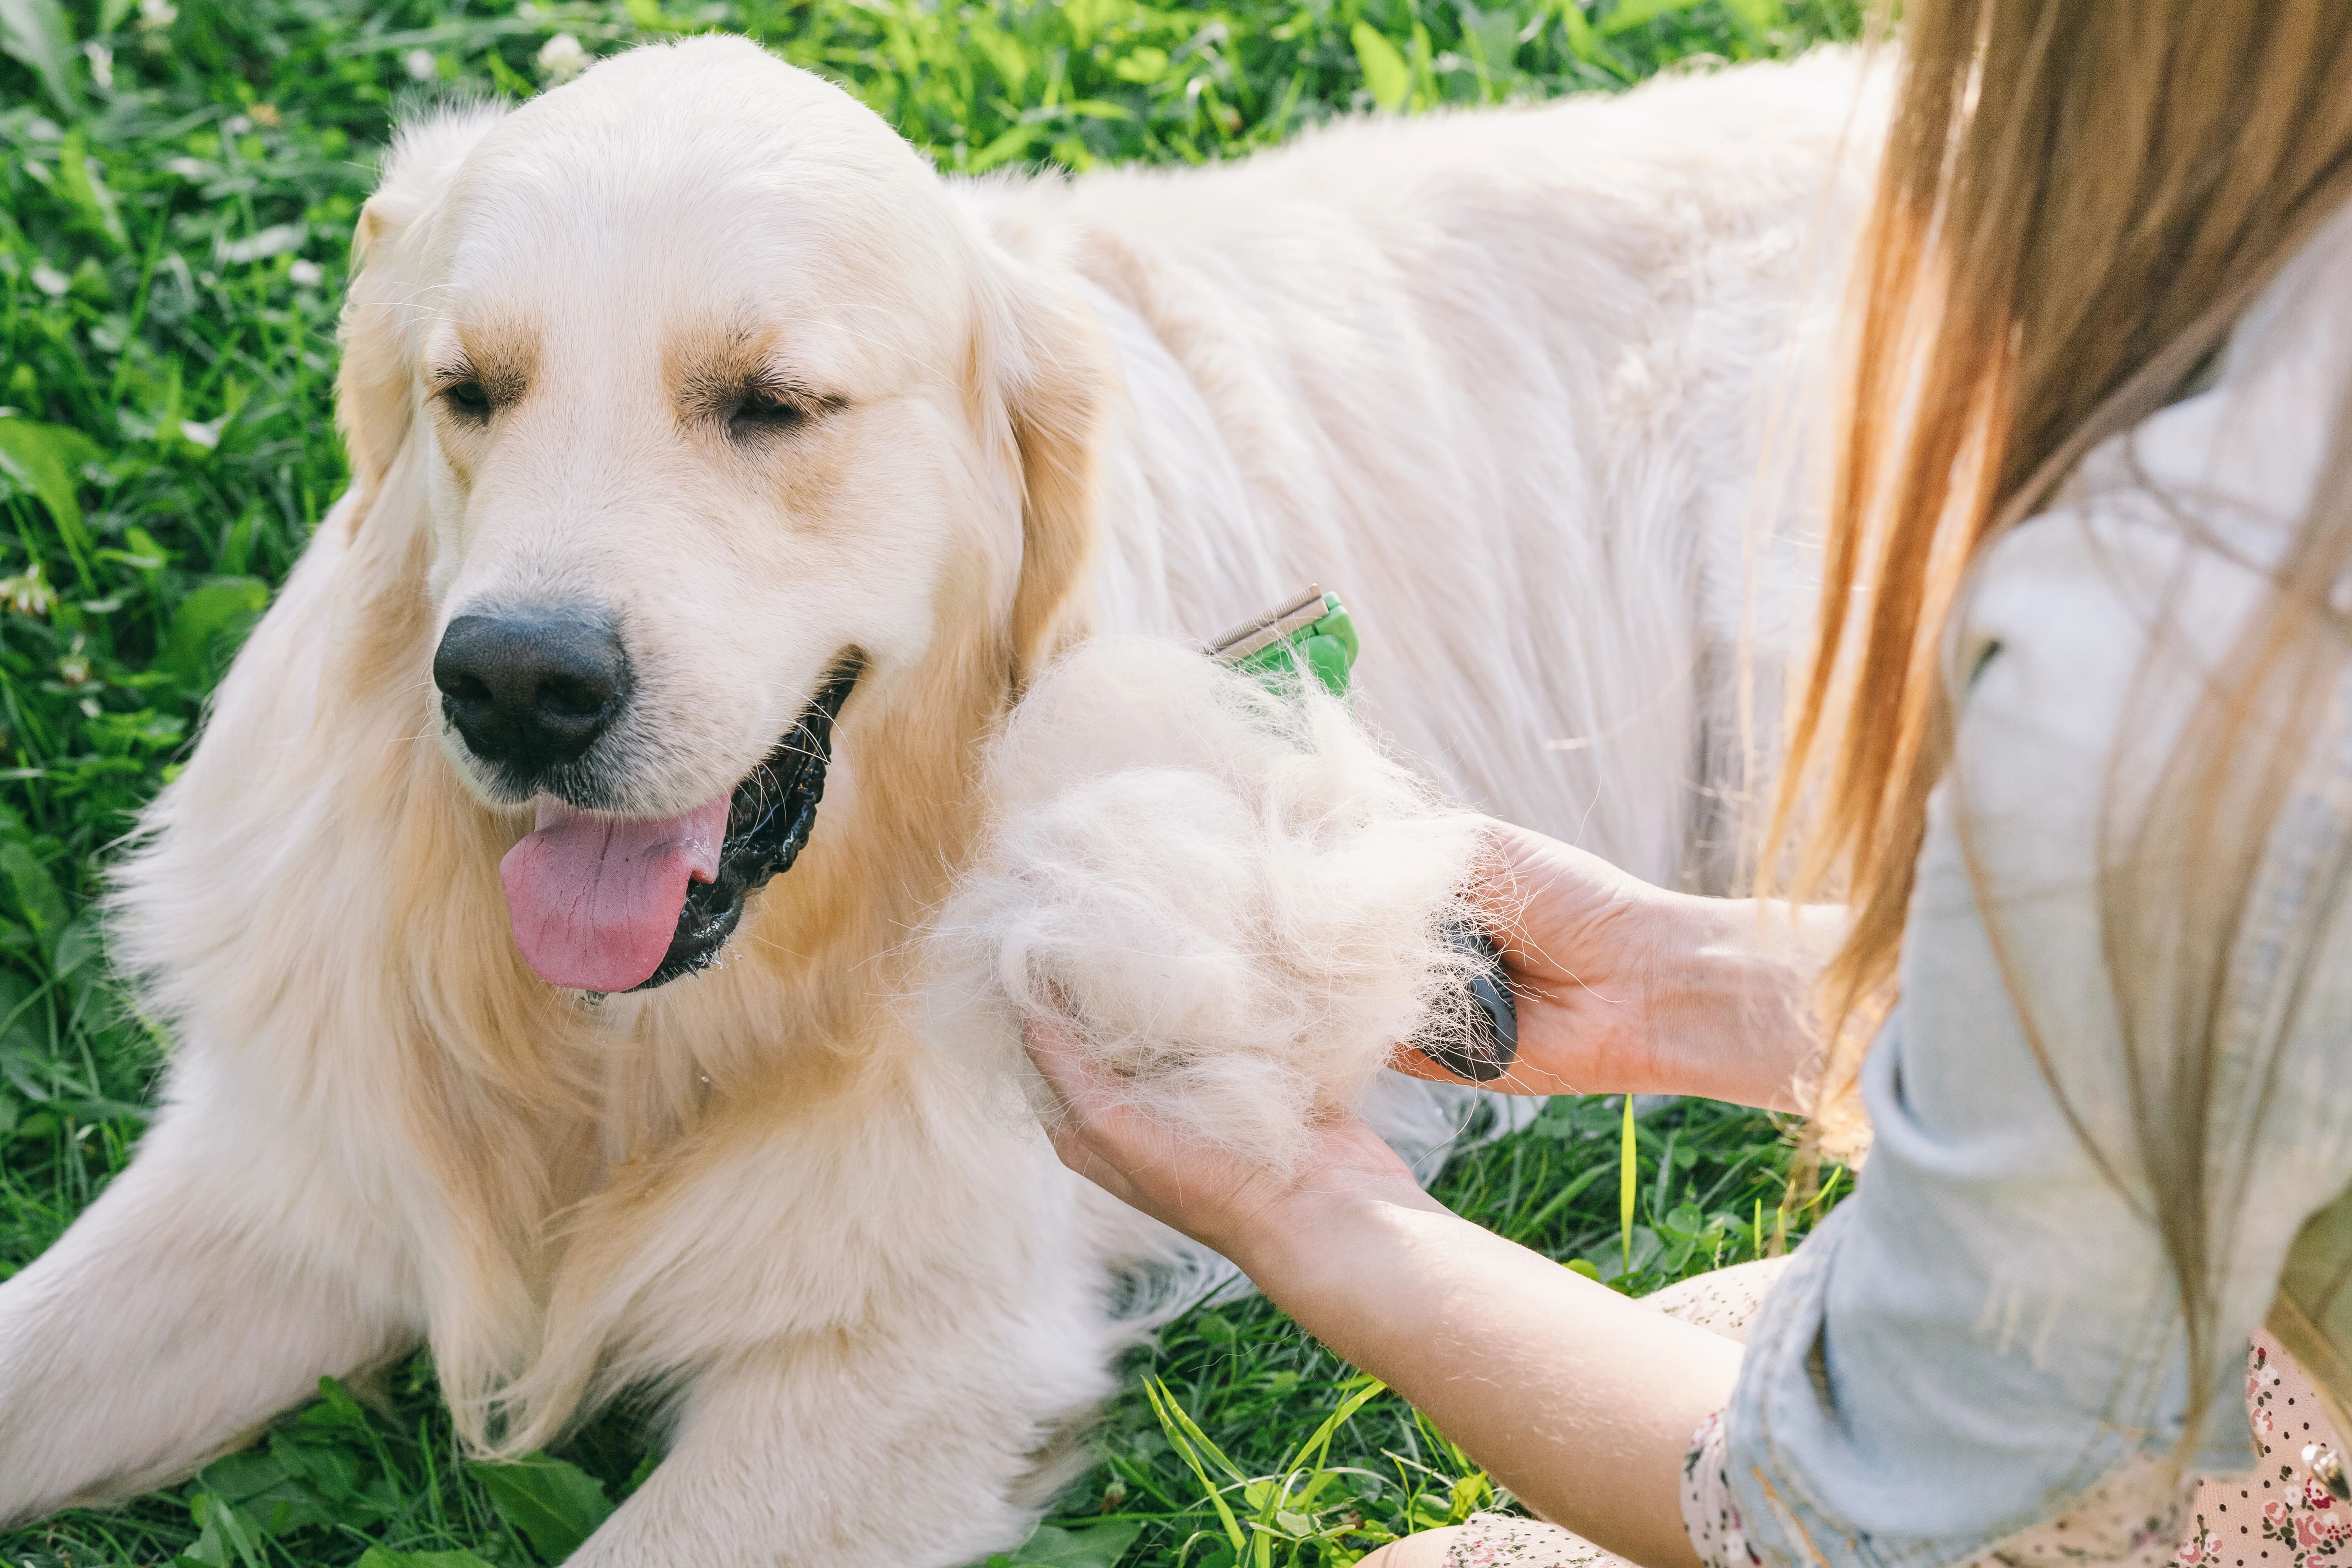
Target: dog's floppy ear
[
  {"x": 372, "y": 392},
  {"x": 1057, "y": 381}
]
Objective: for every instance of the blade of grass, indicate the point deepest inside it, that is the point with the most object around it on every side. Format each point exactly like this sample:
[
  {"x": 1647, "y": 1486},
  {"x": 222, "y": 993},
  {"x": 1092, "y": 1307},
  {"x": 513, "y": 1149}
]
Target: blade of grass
[
  {"x": 1189, "y": 1441},
  {"x": 1628, "y": 1179}
]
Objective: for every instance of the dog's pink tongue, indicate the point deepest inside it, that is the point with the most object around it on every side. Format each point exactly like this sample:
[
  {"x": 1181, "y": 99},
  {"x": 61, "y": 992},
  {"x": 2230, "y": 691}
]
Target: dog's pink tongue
[{"x": 595, "y": 899}]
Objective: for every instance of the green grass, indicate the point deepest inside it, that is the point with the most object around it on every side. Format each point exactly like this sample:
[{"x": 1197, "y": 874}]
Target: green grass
[{"x": 179, "y": 187}]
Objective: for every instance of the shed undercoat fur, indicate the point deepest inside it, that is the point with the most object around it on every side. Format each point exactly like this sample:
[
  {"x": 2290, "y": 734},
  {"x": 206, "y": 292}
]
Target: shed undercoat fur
[{"x": 1503, "y": 377}]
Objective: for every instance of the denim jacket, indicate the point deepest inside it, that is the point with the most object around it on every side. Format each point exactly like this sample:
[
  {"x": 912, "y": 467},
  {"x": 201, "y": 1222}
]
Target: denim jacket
[{"x": 1989, "y": 1326}]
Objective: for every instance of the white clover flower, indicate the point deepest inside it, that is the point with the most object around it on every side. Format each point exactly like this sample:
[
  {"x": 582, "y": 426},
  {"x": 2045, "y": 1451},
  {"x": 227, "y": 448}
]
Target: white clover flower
[
  {"x": 49, "y": 280},
  {"x": 28, "y": 594},
  {"x": 560, "y": 58},
  {"x": 206, "y": 434},
  {"x": 156, "y": 14},
  {"x": 420, "y": 65},
  {"x": 304, "y": 274},
  {"x": 102, "y": 64}
]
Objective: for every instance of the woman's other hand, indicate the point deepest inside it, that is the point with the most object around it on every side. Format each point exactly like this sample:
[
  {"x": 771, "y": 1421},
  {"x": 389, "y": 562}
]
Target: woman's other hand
[
  {"x": 1215, "y": 1196},
  {"x": 1579, "y": 1400},
  {"x": 1624, "y": 987}
]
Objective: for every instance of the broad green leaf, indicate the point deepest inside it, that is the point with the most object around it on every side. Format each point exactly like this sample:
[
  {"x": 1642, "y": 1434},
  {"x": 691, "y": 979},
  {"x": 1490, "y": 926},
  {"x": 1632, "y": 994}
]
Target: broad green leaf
[
  {"x": 336, "y": 1407},
  {"x": 1385, "y": 72},
  {"x": 1632, "y": 14},
  {"x": 1004, "y": 53},
  {"x": 553, "y": 1505},
  {"x": 36, "y": 895},
  {"x": 84, "y": 185},
  {"x": 508, "y": 79},
  {"x": 1011, "y": 145},
  {"x": 209, "y": 623},
  {"x": 230, "y": 1538},
  {"x": 1096, "y": 1546},
  {"x": 38, "y": 33},
  {"x": 1585, "y": 43},
  {"x": 79, "y": 944},
  {"x": 647, "y": 13},
  {"x": 145, "y": 554},
  {"x": 1141, "y": 64},
  {"x": 43, "y": 459},
  {"x": 1758, "y": 16},
  {"x": 326, "y": 1465},
  {"x": 384, "y": 1557}
]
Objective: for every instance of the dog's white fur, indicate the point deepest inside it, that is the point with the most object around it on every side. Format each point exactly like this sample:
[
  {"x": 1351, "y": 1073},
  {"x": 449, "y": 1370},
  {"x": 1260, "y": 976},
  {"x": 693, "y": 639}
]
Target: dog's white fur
[
  {"x": 1500, "y": 377},
  {"x": 1235, "y": 895}
]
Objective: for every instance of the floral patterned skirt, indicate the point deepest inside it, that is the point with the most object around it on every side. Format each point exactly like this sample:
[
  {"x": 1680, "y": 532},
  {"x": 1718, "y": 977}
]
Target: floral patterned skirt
[{"x": 2279, "y": 1516}]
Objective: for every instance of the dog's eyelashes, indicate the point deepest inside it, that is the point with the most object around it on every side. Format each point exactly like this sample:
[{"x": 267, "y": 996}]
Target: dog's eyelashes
[
  {"x": 468, "y": 398},
  {"x": 762, "y": 412}
]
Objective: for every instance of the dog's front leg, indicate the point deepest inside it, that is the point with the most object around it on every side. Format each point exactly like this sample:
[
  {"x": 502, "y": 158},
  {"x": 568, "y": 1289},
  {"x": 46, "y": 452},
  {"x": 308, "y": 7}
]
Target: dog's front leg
[
  {"x": 209, "y": 1287},
  {"x": 929, "y": 1446}
]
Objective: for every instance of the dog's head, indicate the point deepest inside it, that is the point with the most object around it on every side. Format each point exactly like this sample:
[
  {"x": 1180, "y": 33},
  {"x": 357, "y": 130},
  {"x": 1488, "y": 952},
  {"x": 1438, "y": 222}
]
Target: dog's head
[{"x": 725, "y": 423}]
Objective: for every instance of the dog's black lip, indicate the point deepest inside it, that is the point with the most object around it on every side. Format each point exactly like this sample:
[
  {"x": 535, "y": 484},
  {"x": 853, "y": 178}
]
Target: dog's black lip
[{"x": 768, "y": 823}]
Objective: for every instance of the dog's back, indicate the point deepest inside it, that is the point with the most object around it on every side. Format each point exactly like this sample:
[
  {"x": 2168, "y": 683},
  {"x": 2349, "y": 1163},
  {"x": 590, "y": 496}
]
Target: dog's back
[{"x": 1505, "y": 379}]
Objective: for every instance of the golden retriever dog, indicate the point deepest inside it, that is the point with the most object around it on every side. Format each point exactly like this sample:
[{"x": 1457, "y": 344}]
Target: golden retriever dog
[{"x": 537, "y": 989}]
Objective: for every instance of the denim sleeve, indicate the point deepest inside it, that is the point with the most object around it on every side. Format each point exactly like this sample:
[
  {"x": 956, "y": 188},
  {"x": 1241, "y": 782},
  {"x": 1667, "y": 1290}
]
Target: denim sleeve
[{"x": 1989, "y": 1326}]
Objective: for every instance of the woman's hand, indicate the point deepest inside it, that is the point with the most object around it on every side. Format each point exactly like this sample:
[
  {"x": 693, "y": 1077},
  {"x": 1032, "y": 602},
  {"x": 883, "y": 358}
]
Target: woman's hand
[
  {"x": 1579, "y": 1400},
  {"x": 1623, "y": 987},
  {"x": 1213, "y": 1196}
]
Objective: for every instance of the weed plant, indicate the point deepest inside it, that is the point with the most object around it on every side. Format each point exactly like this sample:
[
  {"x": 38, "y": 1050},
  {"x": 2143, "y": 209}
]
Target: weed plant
[{"x": 177, "y": 185}]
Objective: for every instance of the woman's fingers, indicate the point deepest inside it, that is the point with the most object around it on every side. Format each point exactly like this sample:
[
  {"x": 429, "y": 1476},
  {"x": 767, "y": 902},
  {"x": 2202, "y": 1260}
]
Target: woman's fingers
[
  {"x": 1059, "y": 1053},
  {"x": 1079, "y": 1156},
  {"x": 1095, "y": 1135}
]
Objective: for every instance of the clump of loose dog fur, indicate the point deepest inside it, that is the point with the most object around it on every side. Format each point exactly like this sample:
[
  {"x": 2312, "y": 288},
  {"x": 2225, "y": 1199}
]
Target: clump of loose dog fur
[{"x": 1231, "y": 892}]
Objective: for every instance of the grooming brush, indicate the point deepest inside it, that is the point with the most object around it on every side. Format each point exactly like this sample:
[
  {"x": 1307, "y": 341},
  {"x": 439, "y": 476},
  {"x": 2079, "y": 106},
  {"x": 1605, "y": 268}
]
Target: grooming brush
[{"x": 1313, "y": 636}]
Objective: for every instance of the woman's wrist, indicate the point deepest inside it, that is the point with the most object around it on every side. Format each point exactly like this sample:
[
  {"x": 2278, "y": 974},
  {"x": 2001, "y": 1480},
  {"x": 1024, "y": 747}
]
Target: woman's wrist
[
  {"x": 1727, "y": 994},
  {"x": 1625, "y": 987},
  {"x": 1319, "y": 1217}
]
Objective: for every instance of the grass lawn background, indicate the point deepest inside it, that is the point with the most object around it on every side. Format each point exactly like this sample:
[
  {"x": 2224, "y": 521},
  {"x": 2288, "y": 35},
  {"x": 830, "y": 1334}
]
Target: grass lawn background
[{"x": 177, "y": 186}]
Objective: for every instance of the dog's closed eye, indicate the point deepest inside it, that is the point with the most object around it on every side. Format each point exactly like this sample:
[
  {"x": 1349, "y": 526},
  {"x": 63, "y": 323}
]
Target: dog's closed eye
[
  {"x": 762, "y": 410},
  {"x": 472, "y": 396},
  {"x": 467, "y": 397},
  {"x": 756, "y": 406}
]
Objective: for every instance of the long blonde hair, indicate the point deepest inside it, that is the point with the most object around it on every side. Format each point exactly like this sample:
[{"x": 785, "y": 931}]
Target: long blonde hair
[{"x": 2077, "y": 199}]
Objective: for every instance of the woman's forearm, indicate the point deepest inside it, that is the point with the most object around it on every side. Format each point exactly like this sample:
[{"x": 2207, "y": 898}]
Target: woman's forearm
[
  {"x": 1729, "y": 1000},
  {"x": 1581, "y": 1401}
]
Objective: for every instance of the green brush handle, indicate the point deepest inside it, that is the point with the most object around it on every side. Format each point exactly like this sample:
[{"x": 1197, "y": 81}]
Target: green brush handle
[{"x": 1325, "y": 649}]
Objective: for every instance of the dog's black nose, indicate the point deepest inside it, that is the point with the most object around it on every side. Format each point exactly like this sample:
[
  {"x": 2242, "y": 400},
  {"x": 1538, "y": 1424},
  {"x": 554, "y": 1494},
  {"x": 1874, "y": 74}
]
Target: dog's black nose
[{"x": 531, "y": 692}]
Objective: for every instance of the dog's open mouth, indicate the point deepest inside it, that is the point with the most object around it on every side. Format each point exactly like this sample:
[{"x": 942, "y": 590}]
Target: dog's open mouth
[{"x": 603, "y": 904}]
